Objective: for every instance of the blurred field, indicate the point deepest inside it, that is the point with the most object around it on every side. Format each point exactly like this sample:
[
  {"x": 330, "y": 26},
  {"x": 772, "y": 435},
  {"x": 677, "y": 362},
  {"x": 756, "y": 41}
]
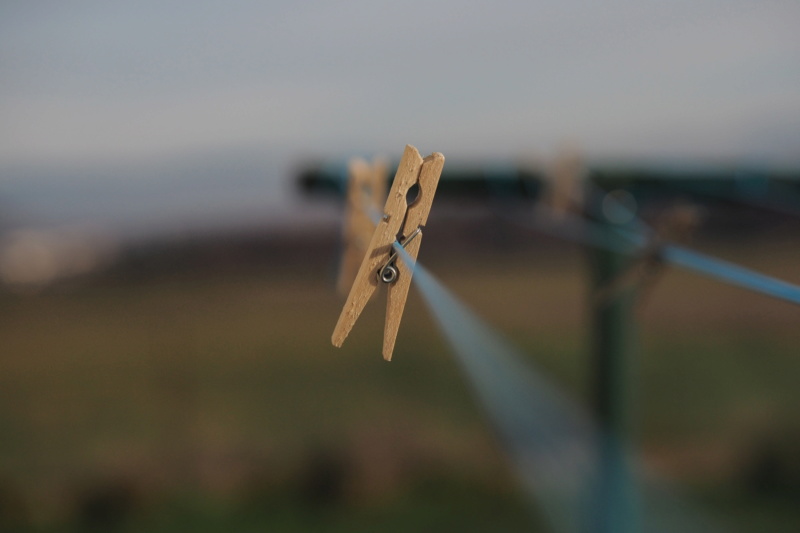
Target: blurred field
[{"x": 212, "y": 400}]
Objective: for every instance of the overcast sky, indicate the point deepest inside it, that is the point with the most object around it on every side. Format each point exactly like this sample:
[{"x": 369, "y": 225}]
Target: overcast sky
[{"x": 102, "y": 81}]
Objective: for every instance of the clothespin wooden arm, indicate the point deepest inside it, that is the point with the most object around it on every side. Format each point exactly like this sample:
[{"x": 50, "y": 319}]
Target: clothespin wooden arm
[{"x": 416, "y": 217}]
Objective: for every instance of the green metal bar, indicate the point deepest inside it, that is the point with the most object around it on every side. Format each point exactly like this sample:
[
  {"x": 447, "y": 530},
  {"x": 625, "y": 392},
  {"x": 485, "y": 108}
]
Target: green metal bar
[{"x": 613, "y": 501}]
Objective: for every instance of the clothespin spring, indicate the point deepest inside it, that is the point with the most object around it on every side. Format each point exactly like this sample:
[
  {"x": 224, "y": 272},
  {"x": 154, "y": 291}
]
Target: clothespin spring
[{"x": 388, "y": 272}]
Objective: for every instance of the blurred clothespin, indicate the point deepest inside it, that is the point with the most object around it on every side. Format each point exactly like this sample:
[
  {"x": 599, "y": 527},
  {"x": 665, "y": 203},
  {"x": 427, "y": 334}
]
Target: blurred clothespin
[
  {"x": 564, "y": 193},
  {"x": 366, "y": 191},
  {"x": 401, "y": 222}
]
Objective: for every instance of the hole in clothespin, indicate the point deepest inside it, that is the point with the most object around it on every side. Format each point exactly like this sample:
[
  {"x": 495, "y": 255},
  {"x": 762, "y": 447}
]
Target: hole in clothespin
[{"x": 412, "y": 194}]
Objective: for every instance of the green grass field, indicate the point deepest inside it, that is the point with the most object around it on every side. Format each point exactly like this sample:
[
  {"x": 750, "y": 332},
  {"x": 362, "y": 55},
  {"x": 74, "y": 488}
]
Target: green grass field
[{"x": 215, "y": 402}]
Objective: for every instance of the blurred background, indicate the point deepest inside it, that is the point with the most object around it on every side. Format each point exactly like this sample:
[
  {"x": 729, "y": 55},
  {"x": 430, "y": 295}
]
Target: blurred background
[{"x": 168, "y": 289}]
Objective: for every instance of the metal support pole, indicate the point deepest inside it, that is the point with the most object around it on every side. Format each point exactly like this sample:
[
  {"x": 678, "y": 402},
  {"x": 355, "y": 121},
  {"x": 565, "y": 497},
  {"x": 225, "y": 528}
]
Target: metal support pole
[{"x": 613, "y": 502}]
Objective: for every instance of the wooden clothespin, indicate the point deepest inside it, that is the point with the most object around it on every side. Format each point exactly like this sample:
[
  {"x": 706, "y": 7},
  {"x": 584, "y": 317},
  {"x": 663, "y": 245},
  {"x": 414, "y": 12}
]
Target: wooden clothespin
[
  {"x": 565, "y": 189},
  {"x": 366, "y": 190},
  {"x": 401, "y": 222}
]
